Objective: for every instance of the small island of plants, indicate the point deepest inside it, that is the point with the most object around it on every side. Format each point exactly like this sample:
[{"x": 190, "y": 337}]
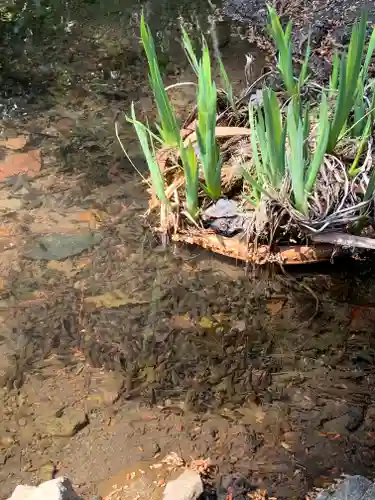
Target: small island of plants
[{"x": 283, "y": 173}]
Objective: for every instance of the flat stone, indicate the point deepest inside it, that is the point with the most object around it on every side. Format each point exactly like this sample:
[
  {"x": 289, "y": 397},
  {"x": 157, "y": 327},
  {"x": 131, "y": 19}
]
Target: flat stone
[
  {"x": 71, "y": 421},
  {"x": 337, "y": 425}
]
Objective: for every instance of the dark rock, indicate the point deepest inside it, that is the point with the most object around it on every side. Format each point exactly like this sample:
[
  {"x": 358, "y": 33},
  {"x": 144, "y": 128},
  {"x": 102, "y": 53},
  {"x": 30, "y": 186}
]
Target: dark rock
[
  {"x": 356, "y": 417},
  {"x": 337, "y": 425}
]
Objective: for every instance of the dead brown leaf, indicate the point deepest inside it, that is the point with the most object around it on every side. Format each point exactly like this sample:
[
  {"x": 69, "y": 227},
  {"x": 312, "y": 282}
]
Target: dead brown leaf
[
  {"x": 181, "y": 322},
  {"x": 5, "y": 231},
  {"x": 275, "y": 306},
  {"x": 14, "y": 143},
  {"x": 93, "y": 217},
  {"x": 20, "y": 163}
]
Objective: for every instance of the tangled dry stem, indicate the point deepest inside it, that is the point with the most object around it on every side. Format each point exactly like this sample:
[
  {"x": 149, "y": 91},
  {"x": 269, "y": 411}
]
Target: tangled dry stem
[{"x": 337, "y": 200}]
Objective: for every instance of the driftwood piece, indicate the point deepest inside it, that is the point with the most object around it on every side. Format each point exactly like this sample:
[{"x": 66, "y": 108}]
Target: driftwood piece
[{"x": 239, "y": 249}]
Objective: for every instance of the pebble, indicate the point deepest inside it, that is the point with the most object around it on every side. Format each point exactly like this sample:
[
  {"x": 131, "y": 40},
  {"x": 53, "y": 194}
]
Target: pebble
[
  {"x": 6, "y": 441},
  {"x": 71, "y": 421}
]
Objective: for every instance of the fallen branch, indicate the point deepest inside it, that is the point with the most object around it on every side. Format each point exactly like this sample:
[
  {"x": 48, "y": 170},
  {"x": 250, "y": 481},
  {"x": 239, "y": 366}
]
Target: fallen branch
[{"x": 344, "y": 240}]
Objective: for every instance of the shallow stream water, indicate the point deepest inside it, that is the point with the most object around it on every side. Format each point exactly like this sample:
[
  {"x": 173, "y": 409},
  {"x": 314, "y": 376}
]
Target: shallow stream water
[{"x": 283, "y": 360}]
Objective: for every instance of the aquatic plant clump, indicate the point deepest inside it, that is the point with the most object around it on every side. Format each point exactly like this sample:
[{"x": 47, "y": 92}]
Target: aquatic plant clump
[{"x": 286, "y": 163}]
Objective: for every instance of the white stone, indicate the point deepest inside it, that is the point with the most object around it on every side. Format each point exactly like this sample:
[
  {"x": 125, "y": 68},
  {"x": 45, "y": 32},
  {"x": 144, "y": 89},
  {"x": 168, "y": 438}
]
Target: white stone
[
  {"x": 55, "y": 489},
  {"x": 188, "y": 486}
]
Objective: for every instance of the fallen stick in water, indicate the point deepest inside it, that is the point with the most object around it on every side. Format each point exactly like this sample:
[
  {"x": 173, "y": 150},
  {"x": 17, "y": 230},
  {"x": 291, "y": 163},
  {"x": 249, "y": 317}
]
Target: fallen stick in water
[{"x": 344, "y": 240}]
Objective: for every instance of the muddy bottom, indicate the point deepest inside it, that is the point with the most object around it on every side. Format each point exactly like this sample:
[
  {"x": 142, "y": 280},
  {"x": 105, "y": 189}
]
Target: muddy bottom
[{"x": 115, "y": 352}]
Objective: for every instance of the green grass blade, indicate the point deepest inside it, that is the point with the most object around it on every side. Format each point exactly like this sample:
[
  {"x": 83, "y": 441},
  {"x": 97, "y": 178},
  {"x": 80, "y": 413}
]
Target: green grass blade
[
  {"x": 206, "y": 127},
  {"x": 261, "y": 133},
  {"x": 359, "y": 111},
  {"x": 306, "y": 122},
  {"x": 341, "y": 108},
  {"x": 369, "y": 54},
  {"x": 364, "y": 140},
  {"x": 288, "y": 32},
  {"x": 254, "y": 143},
  {"x": 321, "y": 146},
  {"x": 355, "y": 51},
  {"x": 228, "y": 88},
  {"x": 282, "y": 41},
  {"x": 157, "y": 178},
  {"x": 305, "y": 66},
  {"x": 189, "y": 50},
  {"x": 306, "y": 130},
  {"x": 191, "y": 171},
  {"x": 257, "y": 186},
  {"x": 168, "y": 123},
  {"x": 274, "y": 133},
  {"x": 350, "y": 70},
  {"x": 334, "y": 74},
  {"x": 254, "y": 140},
  {"x": 296, "y": 160}
]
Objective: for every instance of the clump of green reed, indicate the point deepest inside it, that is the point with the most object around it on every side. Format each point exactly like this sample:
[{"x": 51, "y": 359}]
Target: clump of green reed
[
  {"x": 168, "y": 126},
  {"x": 351, "y": 109},
  {"x": 169, "y": 132},
  {"x": 268, "y": 148},
  {"x": 349, "y": 76},
  {"x": 303, "y": 167},
  {"x": 209, "y": 159},
  {"x": 209, "y": 152},
  {"x": 279, "y": 150}
]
